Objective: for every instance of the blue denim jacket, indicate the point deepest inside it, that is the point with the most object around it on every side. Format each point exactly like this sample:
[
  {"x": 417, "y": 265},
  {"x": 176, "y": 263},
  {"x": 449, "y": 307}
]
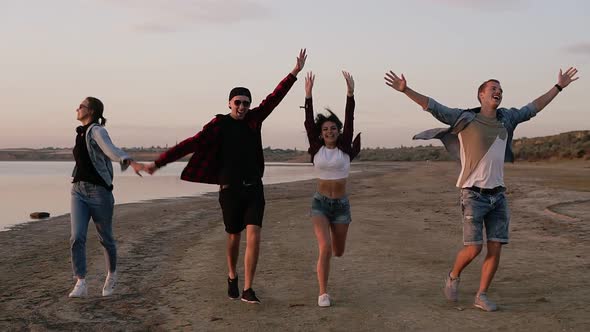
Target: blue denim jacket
[
  {"x": 458, "y": 119},
  {"x": 101, "y": 151}
]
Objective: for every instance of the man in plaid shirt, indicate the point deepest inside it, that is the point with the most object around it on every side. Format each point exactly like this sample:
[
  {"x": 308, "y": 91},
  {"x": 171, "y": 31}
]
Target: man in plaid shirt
[{"x": 228, "y": 152}]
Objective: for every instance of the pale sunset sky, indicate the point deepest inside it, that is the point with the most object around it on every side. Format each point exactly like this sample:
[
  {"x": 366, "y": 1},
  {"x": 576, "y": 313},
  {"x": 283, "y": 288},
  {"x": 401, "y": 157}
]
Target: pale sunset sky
[{"x": 164, "y": 68}]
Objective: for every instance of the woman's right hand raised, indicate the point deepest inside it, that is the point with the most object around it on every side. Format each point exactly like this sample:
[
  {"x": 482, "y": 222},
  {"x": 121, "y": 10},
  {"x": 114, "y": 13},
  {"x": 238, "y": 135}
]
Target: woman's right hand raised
[
  {"x": 349, "y": 83},
  {"x": 309, "y": 78}
]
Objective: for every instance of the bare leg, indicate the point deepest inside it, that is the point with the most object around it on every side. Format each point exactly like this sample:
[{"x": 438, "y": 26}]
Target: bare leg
[
  {"x": 464, "y": 257},
  {"x": 233, "y": 251},
  {"x": 490, "y": 265},
  {"x": 339, "y": 232},
  {"x": 321, "y": 227},
  {"x": 252, "y": 251}
]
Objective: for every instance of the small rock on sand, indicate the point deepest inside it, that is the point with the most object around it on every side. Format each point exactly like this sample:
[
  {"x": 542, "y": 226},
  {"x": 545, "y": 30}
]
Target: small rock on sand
[{"x": 40, "y": 215}]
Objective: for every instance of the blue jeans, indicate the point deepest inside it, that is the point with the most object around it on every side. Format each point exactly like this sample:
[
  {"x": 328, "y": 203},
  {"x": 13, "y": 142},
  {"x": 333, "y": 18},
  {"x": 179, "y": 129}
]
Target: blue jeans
[
  {"x": 96, "y": 202},
  {"x": 484, "y": 210}
]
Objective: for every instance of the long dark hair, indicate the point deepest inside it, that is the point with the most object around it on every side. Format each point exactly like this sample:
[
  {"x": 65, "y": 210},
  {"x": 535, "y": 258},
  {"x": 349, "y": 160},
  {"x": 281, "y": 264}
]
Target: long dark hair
[
  {"x": 98, "y": 108},
  {"x": 321, "y": 118}
]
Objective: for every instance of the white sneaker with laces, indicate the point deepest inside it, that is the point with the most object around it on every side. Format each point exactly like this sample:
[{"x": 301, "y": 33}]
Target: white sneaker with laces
[
  {"x": 482, "y": 302},
  {"x": 109, "y": 284},
  {"x": 324, "y": 300},
  {"x": 80, "y": 289}
]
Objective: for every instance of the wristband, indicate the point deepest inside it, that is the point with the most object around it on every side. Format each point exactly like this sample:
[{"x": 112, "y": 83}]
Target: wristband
[{"x": 558, "y": 87}]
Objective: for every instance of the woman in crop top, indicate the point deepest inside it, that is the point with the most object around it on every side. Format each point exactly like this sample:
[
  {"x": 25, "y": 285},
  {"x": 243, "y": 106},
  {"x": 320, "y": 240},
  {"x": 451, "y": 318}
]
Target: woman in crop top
[{"x": 331, "y": 148}]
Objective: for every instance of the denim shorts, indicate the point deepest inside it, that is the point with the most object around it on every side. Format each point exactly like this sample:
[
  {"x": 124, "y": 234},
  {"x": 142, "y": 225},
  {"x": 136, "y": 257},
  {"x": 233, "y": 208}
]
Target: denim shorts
[
  {"x": 337, "y": 210},
  {"x": 484, "y": 210}
]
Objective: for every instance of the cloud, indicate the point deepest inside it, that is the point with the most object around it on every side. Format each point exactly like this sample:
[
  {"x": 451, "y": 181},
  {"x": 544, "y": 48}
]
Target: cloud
[
  {"x": 497, "y": 5},
  {"x": 155, "y": 28},
  {"x": 164, "y": 16},
  {"x": 580, "y": 48}
]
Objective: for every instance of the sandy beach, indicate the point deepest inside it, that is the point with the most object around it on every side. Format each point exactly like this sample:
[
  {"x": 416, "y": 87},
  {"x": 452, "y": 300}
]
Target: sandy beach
[{"x": 406, "y": 230}]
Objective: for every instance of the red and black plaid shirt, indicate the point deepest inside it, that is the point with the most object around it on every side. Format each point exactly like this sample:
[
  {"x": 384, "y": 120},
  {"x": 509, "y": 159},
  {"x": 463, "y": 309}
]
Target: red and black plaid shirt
[{"x": 205, "y": 163}]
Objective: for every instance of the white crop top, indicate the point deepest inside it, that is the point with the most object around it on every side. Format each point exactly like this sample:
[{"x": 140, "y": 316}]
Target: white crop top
[{"x": 331, "y": 164}]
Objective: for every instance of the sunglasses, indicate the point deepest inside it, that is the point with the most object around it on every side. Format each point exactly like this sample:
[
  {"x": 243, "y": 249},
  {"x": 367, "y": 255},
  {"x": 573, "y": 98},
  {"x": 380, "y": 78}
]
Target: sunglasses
[
  {"x": 238, "y": 102},
  {"x": 83, "y": 106}
]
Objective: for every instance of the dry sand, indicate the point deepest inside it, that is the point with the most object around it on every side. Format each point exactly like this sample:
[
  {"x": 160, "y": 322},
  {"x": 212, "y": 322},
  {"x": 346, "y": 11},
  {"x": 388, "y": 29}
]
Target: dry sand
[{"x": 405, "y": 233}]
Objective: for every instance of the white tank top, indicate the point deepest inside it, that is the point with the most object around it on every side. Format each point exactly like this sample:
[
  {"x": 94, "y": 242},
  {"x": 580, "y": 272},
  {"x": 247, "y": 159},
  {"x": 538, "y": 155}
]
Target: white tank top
[{"x": 331, "y": 164}]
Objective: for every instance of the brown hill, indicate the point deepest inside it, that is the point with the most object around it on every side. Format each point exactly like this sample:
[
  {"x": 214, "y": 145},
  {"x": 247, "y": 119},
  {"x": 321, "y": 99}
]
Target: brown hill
[
  {"x": 570, "y": 145},
  {"x": 564, "y": 146}
]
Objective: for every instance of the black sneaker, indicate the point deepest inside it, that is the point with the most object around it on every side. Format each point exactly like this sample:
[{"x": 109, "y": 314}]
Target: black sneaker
[
  {"x": 249, "y": 296},
  {"x": 233, "y": 291}
]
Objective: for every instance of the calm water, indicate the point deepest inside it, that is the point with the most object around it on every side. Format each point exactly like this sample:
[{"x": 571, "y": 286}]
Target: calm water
[{"x": 27, "y": 187}]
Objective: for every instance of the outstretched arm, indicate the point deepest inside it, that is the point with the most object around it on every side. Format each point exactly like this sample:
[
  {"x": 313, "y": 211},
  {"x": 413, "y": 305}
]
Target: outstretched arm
[
  {"x": 300, "y": 62},
  {"x": 401, "y": 85},
  {"x": 200, "y": 141},
  {"x": 563, "y": 80},
  {"x": 349, "y": 83},
  {"x": 309, "y": 79},
  {"x": 263, "y": 110},
  {"x": 441, "y": 112},
  {"x": 349, "y": 111},
  {"x": 103, "y": 140},
  {"x": 310, "y": 127}
]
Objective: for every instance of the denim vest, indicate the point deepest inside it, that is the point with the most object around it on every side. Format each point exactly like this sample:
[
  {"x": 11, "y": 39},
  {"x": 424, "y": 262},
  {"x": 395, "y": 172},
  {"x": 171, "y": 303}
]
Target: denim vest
[{"x": 101, "y": 151}]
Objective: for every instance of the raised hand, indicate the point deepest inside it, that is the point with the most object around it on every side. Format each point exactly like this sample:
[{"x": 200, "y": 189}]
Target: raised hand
[
  {"x": 395, "y": 81},
  {"x": 300, "y": 62},
  {"x": 564, "y": 79},
  {"x": 349, "y": 83},
  {"x": 309, "y": 78}
]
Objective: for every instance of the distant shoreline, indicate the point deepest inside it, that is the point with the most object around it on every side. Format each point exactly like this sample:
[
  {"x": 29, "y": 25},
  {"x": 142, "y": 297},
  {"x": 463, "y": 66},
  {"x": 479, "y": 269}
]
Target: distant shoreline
[{"x": 574, "y": 145}]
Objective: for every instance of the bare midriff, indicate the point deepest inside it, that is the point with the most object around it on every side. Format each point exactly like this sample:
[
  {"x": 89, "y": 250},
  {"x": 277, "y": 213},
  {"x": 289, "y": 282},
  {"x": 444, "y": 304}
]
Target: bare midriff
[{"x": 332, "y": 188}]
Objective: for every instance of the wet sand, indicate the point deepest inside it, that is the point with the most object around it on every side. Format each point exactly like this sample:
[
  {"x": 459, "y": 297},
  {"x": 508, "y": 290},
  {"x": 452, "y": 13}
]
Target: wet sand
[{"x": 406, "y": 230}]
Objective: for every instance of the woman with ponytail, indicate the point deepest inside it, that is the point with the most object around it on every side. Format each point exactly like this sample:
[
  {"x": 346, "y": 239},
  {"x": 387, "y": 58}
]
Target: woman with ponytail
[{"x": 92, "y": 195}]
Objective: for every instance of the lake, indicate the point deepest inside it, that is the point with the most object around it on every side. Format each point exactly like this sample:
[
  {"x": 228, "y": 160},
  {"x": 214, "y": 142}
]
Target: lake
[{"x": 32, "y": 186}]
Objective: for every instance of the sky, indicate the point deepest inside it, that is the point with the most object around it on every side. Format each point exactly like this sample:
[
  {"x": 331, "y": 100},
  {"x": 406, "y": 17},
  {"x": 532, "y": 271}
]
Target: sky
[{"x": 164, "y": 68}]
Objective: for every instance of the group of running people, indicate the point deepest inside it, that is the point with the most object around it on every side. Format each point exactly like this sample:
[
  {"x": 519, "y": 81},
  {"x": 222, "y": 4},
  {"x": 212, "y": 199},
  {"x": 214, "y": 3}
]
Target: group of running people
[{"x": 228, "y": 152}]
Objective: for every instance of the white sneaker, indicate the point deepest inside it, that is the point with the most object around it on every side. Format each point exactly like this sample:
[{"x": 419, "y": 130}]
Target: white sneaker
[
  {"x": 324, "y": 300},
  {"x": 109, "y": 284},
  {"x": 482, "y": 302},
  {"x": 80, "y": 289}
]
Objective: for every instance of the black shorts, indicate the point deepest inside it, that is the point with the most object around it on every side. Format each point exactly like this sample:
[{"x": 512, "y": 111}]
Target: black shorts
[{"x": 242, "y": 205}]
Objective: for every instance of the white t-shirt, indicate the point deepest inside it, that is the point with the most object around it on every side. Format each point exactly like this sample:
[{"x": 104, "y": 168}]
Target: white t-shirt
[
  {"x": 331, "y": 164},
  {"x": 483, "y": 147}
]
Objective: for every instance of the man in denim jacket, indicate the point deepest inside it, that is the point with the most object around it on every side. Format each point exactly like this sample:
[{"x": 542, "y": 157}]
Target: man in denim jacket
[{"x": 481, "y": 138}]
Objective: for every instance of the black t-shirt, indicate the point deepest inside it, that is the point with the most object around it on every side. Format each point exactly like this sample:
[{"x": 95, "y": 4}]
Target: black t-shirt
[
  {"x": 85, "y": 171},
  {"x": 239, "y": 152}
]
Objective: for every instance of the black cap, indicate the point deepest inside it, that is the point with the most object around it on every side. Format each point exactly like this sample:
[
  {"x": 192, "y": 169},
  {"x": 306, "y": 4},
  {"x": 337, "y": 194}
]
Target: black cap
[{"x": 240, "y": 91}]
